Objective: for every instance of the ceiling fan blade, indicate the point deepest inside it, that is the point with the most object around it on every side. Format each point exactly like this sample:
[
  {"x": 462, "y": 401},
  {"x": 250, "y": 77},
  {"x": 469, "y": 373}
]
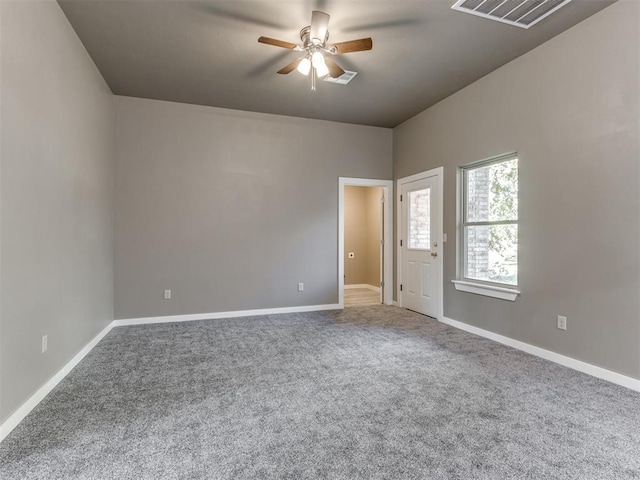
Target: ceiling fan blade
[
  {"x": 335, "y": 70},
  {"x": 352, "y": 46},
  {"x": 277, "y": 43},
  {"x": 291, "y": 67},
  {"x": 319, "y": 26}
]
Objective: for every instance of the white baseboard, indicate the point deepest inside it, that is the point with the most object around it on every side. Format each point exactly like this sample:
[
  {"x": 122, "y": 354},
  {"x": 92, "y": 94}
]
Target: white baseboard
[
  {"x": 12, "y": 422},
  {"x": 584, "y": 367},
  {"x": 219, "y": 315},
  {"x": 362, "y": 285}
]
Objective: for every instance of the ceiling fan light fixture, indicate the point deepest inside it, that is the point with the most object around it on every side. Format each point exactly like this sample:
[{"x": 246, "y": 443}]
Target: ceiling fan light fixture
[
  {"x": 304, "y": 66},
  {"x": 322, "y": 70},
  {"x": 317, "y": 59},
  {"x": 315, "y": 46}
]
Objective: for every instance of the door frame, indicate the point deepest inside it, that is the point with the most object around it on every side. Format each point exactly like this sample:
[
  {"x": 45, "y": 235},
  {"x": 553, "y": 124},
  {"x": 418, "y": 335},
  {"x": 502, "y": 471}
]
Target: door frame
[
  {"x": 435, "y": 172},
  {"x": 387, "y": 218}
]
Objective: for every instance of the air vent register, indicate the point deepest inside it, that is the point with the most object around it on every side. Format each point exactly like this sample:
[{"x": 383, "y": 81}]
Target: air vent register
[{"x": 520, "y": 13}]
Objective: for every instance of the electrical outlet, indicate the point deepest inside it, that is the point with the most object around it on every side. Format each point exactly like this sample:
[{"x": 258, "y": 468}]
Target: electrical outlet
[
  {"x": 562, "y": 322},
  {"x": 352, "y": 255},
  {"x": 301, "y": 287},
  {"x": 167, "y": 294},
  {"x": 45, "y": 341}
]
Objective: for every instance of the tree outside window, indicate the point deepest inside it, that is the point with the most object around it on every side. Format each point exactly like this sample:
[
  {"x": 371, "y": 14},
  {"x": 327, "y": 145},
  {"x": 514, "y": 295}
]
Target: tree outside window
[{"x": 490, "y": 221}]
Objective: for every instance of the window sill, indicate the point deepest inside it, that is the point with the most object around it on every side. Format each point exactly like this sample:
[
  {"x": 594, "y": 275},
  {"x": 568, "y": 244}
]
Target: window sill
[{"x": 486, "y": 290}]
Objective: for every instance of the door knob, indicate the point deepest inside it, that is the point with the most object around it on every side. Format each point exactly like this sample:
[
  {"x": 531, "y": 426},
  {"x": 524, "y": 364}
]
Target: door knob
[{"x": 434, "y": 254}]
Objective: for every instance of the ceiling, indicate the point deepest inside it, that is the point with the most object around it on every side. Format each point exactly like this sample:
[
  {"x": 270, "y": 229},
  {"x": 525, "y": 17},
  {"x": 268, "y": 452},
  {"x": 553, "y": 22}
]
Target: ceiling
[{"x": 206, "y": 52}]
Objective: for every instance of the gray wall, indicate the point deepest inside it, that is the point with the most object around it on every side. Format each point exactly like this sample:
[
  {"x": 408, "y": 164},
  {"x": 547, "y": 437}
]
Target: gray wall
[
  {"x": 56, "y": 196},
  {"x": 570, "y": 108},
  {"x": 230, "y": 210}
]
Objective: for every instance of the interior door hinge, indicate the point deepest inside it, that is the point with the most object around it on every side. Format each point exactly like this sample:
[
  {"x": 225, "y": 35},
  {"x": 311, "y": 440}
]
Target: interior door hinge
[
  {"x": 382, "y": 199},
  {"x": 382, "y": 242},
  {"x": 400, "y": 197},
  {"x": 400, "y": 287},
  {"x": 382, "y": 284},
  {"x": 400, "y": 242}
]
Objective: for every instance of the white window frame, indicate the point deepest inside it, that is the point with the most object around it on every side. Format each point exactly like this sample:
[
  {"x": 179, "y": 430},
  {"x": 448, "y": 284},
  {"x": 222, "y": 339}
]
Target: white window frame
[{"x": 502, "y": 291}]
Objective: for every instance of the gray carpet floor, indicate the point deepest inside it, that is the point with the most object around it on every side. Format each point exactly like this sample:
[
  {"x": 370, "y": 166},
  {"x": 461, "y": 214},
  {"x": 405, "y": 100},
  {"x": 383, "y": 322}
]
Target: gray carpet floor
[{"x": 364, "y": 393}]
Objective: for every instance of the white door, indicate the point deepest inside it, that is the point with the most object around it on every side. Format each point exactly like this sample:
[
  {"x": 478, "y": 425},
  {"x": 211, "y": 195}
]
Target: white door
[{"x": 419, "y": 248}]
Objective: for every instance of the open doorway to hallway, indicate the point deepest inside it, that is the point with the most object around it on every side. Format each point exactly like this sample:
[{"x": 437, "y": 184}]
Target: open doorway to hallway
[
  {"x": 363, "y": 245},
  {"x": 369, "y": 271}
]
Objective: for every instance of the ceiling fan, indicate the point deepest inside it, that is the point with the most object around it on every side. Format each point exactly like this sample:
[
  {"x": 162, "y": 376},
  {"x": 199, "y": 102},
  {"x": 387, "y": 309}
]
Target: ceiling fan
[{"x": 317, "y": 52}]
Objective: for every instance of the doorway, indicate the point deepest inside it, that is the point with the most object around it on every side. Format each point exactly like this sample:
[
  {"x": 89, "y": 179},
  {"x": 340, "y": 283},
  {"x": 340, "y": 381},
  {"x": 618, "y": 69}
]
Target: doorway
[
  {"x": 365, "y": 266},
  {"x": 363, "y": 234},
  {"x": 420, "y": 239}
]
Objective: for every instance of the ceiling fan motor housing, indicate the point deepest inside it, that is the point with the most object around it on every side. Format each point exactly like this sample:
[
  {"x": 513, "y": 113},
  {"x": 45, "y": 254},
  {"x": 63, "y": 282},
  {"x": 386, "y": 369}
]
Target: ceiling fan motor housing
[{"x": 305, "y": 36}]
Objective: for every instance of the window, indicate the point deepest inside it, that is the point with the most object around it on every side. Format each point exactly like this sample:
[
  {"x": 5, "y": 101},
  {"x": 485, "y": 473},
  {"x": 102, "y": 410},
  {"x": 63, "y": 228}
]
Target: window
[
  {"x": 419, "y": 217},
  {"x": 489, "y": 225}
]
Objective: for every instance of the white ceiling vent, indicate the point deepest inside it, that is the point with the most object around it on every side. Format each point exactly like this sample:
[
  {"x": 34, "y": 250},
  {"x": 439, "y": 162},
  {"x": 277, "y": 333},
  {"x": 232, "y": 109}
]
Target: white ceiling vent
[
  {"x": 520, "y": 13},
  {"x": 343, "y": 79}
]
